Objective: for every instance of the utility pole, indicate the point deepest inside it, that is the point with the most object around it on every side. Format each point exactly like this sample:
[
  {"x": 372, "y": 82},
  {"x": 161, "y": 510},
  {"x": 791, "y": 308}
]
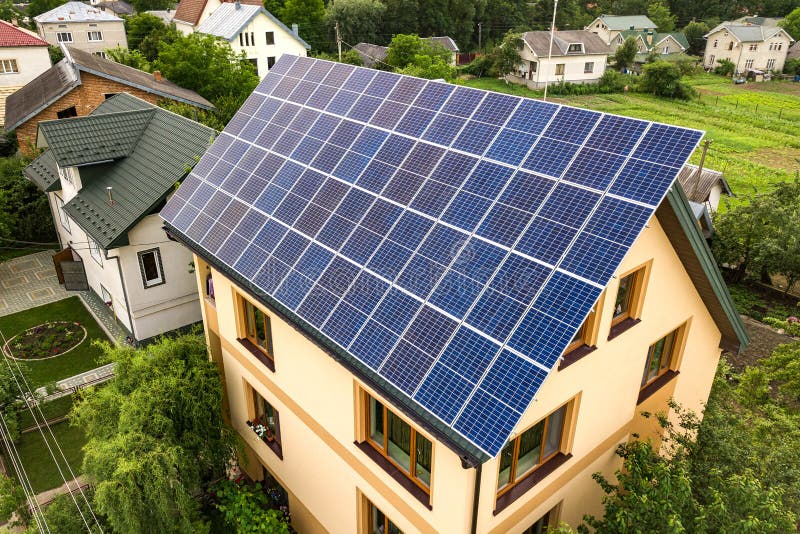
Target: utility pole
[
  {"x": 550, "y": 53},
  {"x": 339, "y": 41},
  {"x": 480, "y": 27},
  {"x": 700, "y": 167}
]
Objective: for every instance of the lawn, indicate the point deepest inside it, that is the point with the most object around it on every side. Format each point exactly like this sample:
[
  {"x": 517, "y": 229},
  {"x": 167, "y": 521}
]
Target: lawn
[
  {"x": 83, "y": 358},
  {"x": 53, "y": 409},
  {"x": 754, "y": 146},
  {"x": 38, "y": 462}
]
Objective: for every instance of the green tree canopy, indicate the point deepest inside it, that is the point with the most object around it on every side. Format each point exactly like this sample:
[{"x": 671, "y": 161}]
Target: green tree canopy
[
  {"x": 694, "y": 32},
  {"x": 8, "y": 12},
  {"x": 359, "y": 20},
  {"x": 24, "y": 210},
  {"x": 404, "y": 50},
  {"x": 401, "y": 16},
  {"x": 246, "y": 510},
  {"x": 663, "y": 78},
  {"x": 146, "y": 32},
  {"x": 658, "y": 11},
  {"x": 140, "y": 6},
  {"x": 625, "y": 54},
  {"x": 792, "y": 23},
  {"x": 505, "y": 57},
  {"x": 155, "y": 434},
  {"x": 37, "y": 7},
  {"x": 309, "y": 15}
]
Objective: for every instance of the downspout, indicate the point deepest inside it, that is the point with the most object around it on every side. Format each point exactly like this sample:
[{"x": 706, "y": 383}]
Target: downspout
[
  {"x": 124, "y": 292},
  {"x": 476, "y": 498}
]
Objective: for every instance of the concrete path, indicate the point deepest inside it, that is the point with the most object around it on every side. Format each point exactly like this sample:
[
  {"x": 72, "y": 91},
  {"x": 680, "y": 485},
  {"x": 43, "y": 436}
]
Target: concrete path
[
  {"x": 29, "y": 281},
  {"x": 67, "y": 386}
]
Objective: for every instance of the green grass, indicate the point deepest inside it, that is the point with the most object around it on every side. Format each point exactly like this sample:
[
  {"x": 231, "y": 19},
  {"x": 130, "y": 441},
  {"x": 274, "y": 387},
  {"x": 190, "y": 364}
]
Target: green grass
[
  {"x": 754, "y": 148},
  {"x": 56, "y": 408},
  {"x": 82, "y": 358},
  {"x": 38, "y": 462}
]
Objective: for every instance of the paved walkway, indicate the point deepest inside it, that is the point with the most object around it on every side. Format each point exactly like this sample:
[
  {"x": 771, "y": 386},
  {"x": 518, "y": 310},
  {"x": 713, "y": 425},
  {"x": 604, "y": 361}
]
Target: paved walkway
[
  {"x": 90, "y": 377},
  {"x": 29, "y": 281}
]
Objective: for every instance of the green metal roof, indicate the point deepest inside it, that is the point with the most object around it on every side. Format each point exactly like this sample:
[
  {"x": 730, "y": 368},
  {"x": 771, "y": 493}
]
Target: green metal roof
[
  {"x": 166, "y": 147},
  {"x": 626, "y": 22},
  {"x": 95, "y": 138},
  {"x": 657, "y": 38},
  {"x": 43, "y": 171}
]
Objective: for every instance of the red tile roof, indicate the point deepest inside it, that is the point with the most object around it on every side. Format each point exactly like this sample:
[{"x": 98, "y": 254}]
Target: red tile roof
[
  {"x": 191, "y": 10},
  {"x": 10, "y": 36}
]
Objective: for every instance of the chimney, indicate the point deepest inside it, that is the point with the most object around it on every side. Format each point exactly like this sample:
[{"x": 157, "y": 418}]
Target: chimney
[
  {"x": 238, "y": 4},
  {"x": 110, "y": 196},
  {"x": 157, "y": 75},
  {"x": 295, "y": 30}
]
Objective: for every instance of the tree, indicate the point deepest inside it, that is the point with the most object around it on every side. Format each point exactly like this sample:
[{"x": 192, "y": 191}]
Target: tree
[
  {"x": 571, "y": 15},
  {"x": 56, "y": 54},
  {"x": 792, "y": 23},
  {"x": 309, "y": 15},
  {"x": 663, "y": 78},
  {"x": 146, "y": 32},
  {"x": 401, "y": 16},
  {"x": 155, "y": 435},
  {"x": 60, "y": 514},
  {"x": 37, "y": 7},
  {"x": 140, "y": 6},
  {"x": 461, "y": 21},
  {"x": 500, "y": 16},
  {"x": 430, "y": 67},
  {"x": 659, "y": 13},
  {"x": 505, "y": 57},
  {"x": 246, "y": 510},
  {"x": 12, "y": 500},
  {"x": 130, "y": 57},
  {"x": 359, "y": 20},
  {"x": 404, "y": 50},
  {"x": 275, "y": 6},
  {"x": 24, "y": 210},
  {"x": 694, "y": 32},
  {"x": 625, "y": 54},
  {"x": 8, "y": 12}
]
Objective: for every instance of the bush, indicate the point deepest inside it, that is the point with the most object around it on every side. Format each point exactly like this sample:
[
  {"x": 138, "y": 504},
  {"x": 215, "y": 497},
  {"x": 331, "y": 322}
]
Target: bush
[
  {"x": 662, "y": 78},
  {"x": 480, "y": 66},
  {"x": 726, "y": 67},
  {"x": 791, "y": 328},
  {"x": 792, "y": 66},
  {"x": 613, "y": 81}
]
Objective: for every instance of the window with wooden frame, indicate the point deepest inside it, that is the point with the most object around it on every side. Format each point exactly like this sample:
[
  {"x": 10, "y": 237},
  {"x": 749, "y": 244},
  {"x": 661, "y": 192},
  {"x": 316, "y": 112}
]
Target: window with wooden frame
[
  {"x": 270, "y": 38},
  {"x": 399, "y": 443},
  {"x": 8, "y": 66},
  {"x": 263, "y": 420},
  {"x": 531, "y": 450},
  {"x": 662, "y": 357},
  {"x": 628, "y": 300},
  {"x": 544, "y": 523},
  {"x": 257, "y": 330},
  {"x": 585, "y": 336},
  {"x": 560, "y": 69},
  {"x": 377, "y": 522}
]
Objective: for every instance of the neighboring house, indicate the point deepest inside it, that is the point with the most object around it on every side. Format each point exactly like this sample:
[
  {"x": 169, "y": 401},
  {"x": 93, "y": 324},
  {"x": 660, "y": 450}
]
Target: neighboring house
[
  {"x": 118, "y": 7},
  {"x": 749, "y": 47},
  {"x": 165, "y": 15},
  {"x": 648, "y": 41},
  {"x": 608, "y": 27},
  {"x": 253, "y": 30},
  {"x": 371, "y": 54},
  {"x": 89, "y": 28},
  {"x": 191, "y": 13},
  {"x": 390, "y": 312},
  {"x": 23, "y": 57},
  {"x": 707, "y": 188},
  {"x": 106, "y": 176},
  {"x": 78, "y": 84},
  {"x": 794, "y": 51},
  {"x": 578, "y": 56}
]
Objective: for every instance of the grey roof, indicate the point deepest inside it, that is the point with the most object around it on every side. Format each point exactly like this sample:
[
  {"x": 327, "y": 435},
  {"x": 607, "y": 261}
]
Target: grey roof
[
  {"x": 76, "y": 12},
  {"x": 40, "y": 92},
  {"x": 748, "y": 33},
  {"x": 626, "y": 22},
  {"x": 444, "y": 41},
  {"x": 230, "y": 18},
  {"x": 165, "y": 148},
  {"x": 43, "y": 171},
  {"x": 539, "y": 42},
  {"x": 370, "y": 53},
  {"x": 699, "y": 192},
  {"x": 120, "y": 7},
  {"x": 165, "y": 15},
  {"x": 794, "y": 51},
  {"x": 760, "y": 21},
  {"x": 64, "y": 76}
]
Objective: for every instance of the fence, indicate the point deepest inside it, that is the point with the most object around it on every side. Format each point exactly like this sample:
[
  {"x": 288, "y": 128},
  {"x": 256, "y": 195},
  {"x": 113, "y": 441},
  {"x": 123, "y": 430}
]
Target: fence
[{"x": 765, "y": 110}]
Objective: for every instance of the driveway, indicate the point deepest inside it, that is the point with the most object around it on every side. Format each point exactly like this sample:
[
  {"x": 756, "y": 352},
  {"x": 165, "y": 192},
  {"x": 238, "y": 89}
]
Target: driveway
[{"x": 29, "y": 281}]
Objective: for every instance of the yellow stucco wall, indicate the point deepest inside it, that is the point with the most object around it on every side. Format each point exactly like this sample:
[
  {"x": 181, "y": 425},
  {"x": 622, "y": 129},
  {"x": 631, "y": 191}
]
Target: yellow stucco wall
[{"x": 315, "y": 396}]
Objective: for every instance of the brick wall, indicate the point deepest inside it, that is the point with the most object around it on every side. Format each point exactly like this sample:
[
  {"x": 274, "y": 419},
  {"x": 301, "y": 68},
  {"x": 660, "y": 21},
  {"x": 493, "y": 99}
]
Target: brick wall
[{"x": 86, "y": 97}]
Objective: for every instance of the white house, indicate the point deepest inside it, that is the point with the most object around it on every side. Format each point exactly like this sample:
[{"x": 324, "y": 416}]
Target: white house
[
  {"x": 23, "y": 57},
  {"x": 608, "y": 27},
  {"x": 254, "y": 31},
  {"x": 750, "y": 47},
  {"x": 107, "y": 175},
  {"x": 578, "y": 56},
  {"x": 90, "y": 28},
  {"x": 190, "y": 13}
]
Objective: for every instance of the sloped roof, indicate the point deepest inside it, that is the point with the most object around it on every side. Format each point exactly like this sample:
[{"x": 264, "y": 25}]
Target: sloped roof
[
  {"x": 165, "y": 148},
  {"x": 120, "y": 7},
  {"x": 444, "y": 41},
  {"x": 229, "y": 19},
  {"x": 626, "y": 22},
  {"x": 748, "y": 33},
  {"x": 43, "y": 171},
  {"x": 13, "y": 36},
  {"x": 94, "y": 138},
  {"x": 700, "y": 191},
  {"x": 190, "y": 11},
  {"x": 76, "y": 12},
  {"x": 760, "y": 21},
  {"x": 371, "y": 53},
  {"x": 64, "y": 76},
  {"x": 165, "y": 15},
  {"x": 539, "y": 42},
  {"x": 657, "y": 39}
]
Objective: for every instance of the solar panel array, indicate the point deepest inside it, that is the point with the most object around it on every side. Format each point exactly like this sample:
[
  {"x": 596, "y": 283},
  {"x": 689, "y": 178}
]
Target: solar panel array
[{"x": 453, "y": 240}]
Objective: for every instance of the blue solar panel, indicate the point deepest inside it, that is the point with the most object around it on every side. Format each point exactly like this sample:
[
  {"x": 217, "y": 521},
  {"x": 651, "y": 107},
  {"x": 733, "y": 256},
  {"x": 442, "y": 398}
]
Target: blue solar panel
[{"x": 452, "y": 240}]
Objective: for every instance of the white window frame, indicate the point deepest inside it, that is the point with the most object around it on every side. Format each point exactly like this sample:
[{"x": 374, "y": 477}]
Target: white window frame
[
  {"x": 770, "y": 64},
  {"x": 563, "y": 69},
  {"x": 94, "y": 251},
  {"x": 158, "y": 280},
  {"x": 62, "y": 214},
  {"x": 748, "y": 64},
  {"x": 588, "y": 67},
  {"x": 9, "y": 66},
  {"x": 60, "y": 37},
  {"x": 99, "y": 34}
]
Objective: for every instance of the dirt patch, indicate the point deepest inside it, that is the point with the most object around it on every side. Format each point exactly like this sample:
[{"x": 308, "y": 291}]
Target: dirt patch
[
  {"x": 763, "y": 341},
  {"x": 787, "y": 159},
  {"x": 788, "y": 88}
]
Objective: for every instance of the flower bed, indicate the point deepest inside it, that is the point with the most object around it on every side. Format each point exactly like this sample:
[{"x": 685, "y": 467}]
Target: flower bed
[{"x": 46, "y": 340}]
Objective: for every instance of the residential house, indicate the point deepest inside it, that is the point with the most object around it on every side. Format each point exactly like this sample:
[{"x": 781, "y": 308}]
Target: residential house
[
  {"x": 255, "y": 32},
  {"x": 77, "y": 85},
  {"x": 371, "y": 54},
  {"x": 748, "y": 46},
  {"x": 608, "y": 27},
  {"x": 89, "y": 28},
  {"x": 377, "y": 257},
  {"x": 578, "y": 56},
  {"x": 191, "y": 13},
  {"x": 23, "y": 56},
  {"x": 794, "y": 52},
  {"x": 648, "y": 41},
  {"x": 166, "y": 15},
  {"x": 107, "y": 175},
  {"x": 118, "y": 7}
]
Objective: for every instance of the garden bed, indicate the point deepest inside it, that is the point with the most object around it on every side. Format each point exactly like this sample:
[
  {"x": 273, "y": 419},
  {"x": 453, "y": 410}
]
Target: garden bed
[{"x": 47, "y": 340}]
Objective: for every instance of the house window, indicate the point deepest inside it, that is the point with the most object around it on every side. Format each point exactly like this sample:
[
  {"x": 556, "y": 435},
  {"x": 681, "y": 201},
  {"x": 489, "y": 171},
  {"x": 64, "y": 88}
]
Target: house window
[
  {"x": 730, "y": 45},
  {"x": 62, "y": 214},
  {"x": 264, "y": 420},
  {"x": 100, "y": 53},
  {"x": 748, "y": 64},
  {"x": 575, "y": 47},
  {"x": 660, "y": 357},
  {"x": 151, "y": 267},
  {"x": 583, "y": 341},
  {"x": 780, "y": 46},
  {"x": 530, "y": 450},
  {"x": 711, "y": 59},
  {"x": 770, "y": 64},
  {"x": 64, "y": 37},
  {"x": 95, "y": 36},
  {"x": 378, "y": 523},
  {"x": 665, "y": 50},
  {"x": 8, "y": 66},
  {"x": 67, "y": 113},
  {"x": 94, "y": 251},
  {"x": 588, "y": 67},
  {"x": 210, "y": 286},
  {"x": 547, "y": 521},
  {"x": 270, "y": 38},
  {"x": 629, "y": 296},
  {"x": 715, "y": 43},
  {"x": 270, "y": 62},
  {"x": 534, "y": 65},
  {"x": 109, "y": 95},
  {"x": 257, "y": 333},
  {"x": 559, "y": 69},
  {"x": 398, "y": 442},
  {"x": 753, "y": 47},
  {"x": 241, "y": 39}
]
